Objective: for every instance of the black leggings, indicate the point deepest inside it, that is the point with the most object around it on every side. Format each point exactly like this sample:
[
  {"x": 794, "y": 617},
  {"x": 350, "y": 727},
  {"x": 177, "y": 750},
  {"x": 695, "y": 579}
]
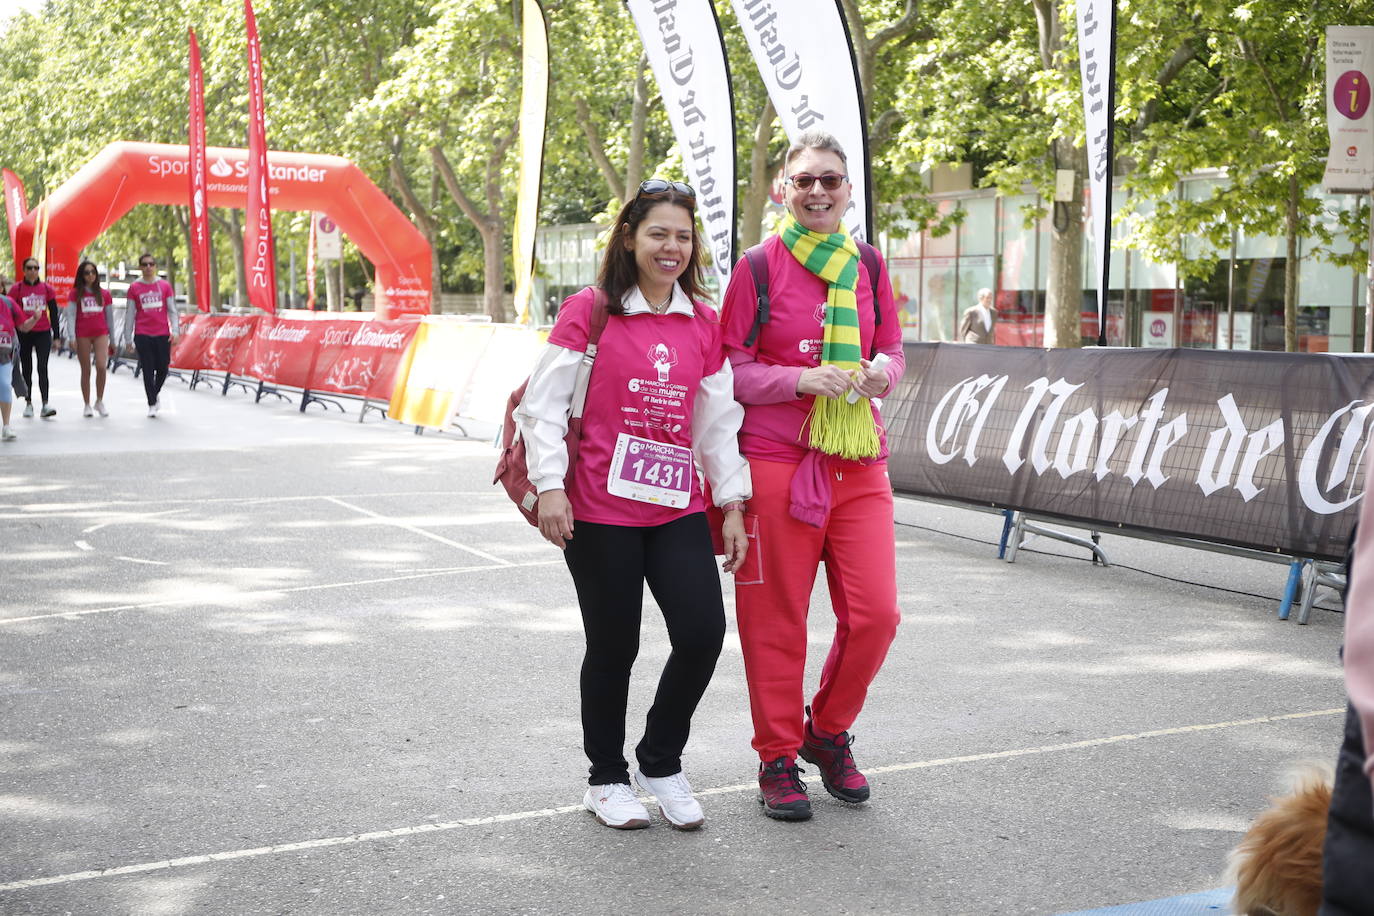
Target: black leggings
[
  {"x": 33, "y": 343},
  {"x": 609, "y": 565},
  {"x": 154, "y": 356}
]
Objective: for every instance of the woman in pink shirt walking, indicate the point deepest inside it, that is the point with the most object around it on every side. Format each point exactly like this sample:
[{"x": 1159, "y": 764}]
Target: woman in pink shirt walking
[
  {"x": 88, "y": 322},
  {"x": 630, "y": 512},
  {"x": 152, "y": 321}
]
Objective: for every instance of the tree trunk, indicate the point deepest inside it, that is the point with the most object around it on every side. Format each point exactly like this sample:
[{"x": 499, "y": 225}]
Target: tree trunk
[
  {"x": 1290, "y": 274},
  {"x": 489, "y": 225},
  {"x": 1064, "y": 289},
  {"x": 240, "y": 269},
  {"x": 756, "y": 191},
  {"x": 493, "y": 270},
  {"x": 639, "y": 120},
  {"x": 333, "y": 289}
]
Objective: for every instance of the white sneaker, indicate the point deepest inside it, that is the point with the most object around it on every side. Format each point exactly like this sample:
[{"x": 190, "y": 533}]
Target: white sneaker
[
  {"x": 152, "y": 410},
  {"x": 7, "y": 433},
  {"x": 615, "y": 805},
  {"x": 87, "y": 412},
  {"x": 28, "y": 409},
  {"x": 100, "y": 409},
  {"x": 675, "y": 799}
]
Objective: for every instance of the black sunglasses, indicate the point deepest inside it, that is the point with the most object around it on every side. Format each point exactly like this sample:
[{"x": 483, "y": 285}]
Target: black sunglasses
[
  {"x": 803, "y": 182},
  {"x": 147, "y": 263},
  {"x": 659, "y": 185},
  {"x": 30, "y": 266}
]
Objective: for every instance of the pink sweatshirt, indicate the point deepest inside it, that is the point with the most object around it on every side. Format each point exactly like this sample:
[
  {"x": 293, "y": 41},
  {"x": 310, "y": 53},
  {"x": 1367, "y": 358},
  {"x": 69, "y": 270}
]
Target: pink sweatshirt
[
  {"x": 1359, "y": 623},
  {"x": 766, "y": 373}
]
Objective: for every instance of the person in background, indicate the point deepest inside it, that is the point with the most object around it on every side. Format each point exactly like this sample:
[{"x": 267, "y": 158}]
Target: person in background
[
  {"x": 821, "y": 490},
  {"x": 40, "y": 301},
  {"x": 151, "y": 319},
  {"x": 977, "y": 323},
  {"x": 630, "y": 511},
  {"x": 87, "y": 321},
  {"x": 13, "y": 322}
]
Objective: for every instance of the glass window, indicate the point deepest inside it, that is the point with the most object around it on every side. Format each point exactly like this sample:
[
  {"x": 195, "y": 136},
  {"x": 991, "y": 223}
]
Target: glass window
[
  {"x": 905, "y": 274},
  {"x": 939, "y": 316},
  {"x": 978, "y": 233},
  {"x": 1020, "y": 287},
  {"x": 941, "y": 246},
  {"x": 1195, "y": 246},
  {"x": 903, "y": 240}
]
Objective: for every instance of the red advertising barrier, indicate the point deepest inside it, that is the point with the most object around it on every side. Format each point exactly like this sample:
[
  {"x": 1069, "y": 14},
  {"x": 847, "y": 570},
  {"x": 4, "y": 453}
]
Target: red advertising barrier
[
  {"x": 343, "y": 356},
  {"x": 211, "y": 341},
  {"x": 362, "y": 358}
]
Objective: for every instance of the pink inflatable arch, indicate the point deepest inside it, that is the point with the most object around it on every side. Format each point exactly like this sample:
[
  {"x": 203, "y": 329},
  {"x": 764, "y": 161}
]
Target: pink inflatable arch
[{"x": 124, "y": 175}]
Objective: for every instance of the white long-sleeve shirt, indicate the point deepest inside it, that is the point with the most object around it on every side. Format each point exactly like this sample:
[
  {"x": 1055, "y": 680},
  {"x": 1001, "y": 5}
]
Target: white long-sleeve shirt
[{"x": 716, "y": 416}]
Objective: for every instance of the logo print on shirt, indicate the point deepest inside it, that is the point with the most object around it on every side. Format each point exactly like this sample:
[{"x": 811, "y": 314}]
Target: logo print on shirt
[
  {"x": 820, "y": 313},
  {"x": 663, "y": 359}
]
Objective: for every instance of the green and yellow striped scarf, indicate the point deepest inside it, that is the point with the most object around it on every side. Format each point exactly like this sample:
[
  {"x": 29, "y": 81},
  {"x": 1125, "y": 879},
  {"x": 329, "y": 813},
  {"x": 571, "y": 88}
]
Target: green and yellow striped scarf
[{"x": 837, "y": 427}]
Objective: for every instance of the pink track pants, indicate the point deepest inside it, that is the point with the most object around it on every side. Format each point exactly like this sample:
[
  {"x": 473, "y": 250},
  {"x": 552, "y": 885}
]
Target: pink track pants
[{"x": 773, "y": 595}]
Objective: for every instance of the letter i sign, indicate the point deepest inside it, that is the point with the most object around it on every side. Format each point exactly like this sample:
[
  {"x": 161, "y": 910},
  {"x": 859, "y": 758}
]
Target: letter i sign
[
  {"x": 327, "y": 242},
  {"x": 1350, "y": 95}
]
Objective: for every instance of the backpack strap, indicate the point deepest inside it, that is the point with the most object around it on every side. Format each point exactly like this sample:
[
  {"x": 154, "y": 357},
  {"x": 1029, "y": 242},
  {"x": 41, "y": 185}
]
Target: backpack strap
[
  {"x": 584, "y": 370},
  {"x": 757, "y": 262},
  {"x": 600, "y": 305},
  {"x": 869, "y": 255}
]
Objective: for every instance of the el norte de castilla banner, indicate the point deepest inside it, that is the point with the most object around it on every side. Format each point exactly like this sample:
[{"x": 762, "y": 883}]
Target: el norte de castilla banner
[
  {"x": 686, "y": 52},
  {"x": 1256, "y": 450}
]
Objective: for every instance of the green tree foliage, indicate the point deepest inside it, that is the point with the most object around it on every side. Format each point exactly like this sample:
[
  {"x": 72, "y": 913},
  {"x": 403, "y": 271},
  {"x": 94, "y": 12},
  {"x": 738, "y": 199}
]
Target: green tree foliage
[{"x": 424, "y": 95}]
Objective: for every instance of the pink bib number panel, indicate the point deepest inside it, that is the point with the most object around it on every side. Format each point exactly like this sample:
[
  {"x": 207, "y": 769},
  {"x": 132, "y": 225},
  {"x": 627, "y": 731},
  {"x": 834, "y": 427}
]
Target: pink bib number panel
[{"x": 651, "y": 472}]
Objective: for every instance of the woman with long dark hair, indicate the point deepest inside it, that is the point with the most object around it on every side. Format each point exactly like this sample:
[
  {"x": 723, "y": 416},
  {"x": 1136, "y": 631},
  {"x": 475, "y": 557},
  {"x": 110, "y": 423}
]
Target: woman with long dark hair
[
  {"x": 88, "y": 322},
  {"x": 660, "y": 401}
]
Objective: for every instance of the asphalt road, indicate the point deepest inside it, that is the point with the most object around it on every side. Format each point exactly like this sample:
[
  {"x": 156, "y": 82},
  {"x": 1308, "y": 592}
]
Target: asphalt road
[{"x": 254, "y": 661}]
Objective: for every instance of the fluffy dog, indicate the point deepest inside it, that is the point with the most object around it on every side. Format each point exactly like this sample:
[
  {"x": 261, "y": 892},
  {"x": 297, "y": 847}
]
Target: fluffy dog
[{"x": 1277, "y": 868}]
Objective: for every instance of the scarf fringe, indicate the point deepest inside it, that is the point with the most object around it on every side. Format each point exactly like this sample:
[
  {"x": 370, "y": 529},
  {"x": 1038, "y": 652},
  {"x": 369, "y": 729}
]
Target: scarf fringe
[{"x": 844, "y": 429}]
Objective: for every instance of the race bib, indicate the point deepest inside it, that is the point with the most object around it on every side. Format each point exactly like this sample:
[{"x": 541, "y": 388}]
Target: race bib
[
  {"x": 151, "y": 301},
  {"x": 90, "y": 305},
  {"x": 651, "y": 472},
  {"x": 34, "y": 303}
]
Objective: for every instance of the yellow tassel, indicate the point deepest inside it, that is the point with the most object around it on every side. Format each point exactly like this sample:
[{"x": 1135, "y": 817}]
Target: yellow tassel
[{"x": 844, "y": 429}]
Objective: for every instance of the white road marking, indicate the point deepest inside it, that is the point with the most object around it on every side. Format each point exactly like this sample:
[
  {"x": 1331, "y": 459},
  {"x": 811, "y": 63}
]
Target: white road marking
[
  {"x": 84, "y": 546},
  {"x": 354, "y": 839},
  {"x": 131, "y": 518},
  {"x": 83, "y": 509},
  {"x": 420, "y": 531},
  {"x": 146, "y": 562},
  {"x": 282, "y": 591}
]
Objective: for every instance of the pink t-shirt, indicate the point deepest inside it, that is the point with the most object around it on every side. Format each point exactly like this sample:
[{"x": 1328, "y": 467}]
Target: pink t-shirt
[
  {"x": 766, "y": 373},
  {"x": 90, "y": 312},
  {"x": 11, "y": 316},
  {"x": 33, "y": 298},
  {"x": 644, "y": 384},
  {"x": 151, "y": 302}
]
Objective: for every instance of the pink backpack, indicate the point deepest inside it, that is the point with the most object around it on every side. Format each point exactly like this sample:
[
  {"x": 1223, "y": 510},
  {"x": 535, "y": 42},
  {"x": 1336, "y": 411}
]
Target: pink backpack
[{"x": 512, "y": 469}]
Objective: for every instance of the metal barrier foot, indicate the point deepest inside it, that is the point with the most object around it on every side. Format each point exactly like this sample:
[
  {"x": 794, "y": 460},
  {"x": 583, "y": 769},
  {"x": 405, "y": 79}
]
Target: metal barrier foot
[{"x": 1024, "y": 526}]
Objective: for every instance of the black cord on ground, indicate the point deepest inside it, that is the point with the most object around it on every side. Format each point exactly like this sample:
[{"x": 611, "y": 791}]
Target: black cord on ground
[{"x": 1046, "y": 553}]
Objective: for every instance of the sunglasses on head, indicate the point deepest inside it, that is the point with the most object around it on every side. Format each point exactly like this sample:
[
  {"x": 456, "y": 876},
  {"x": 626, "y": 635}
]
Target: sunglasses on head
[
  {"x": 803, "y": 182},
  {"x": 659, "y": 185}
]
